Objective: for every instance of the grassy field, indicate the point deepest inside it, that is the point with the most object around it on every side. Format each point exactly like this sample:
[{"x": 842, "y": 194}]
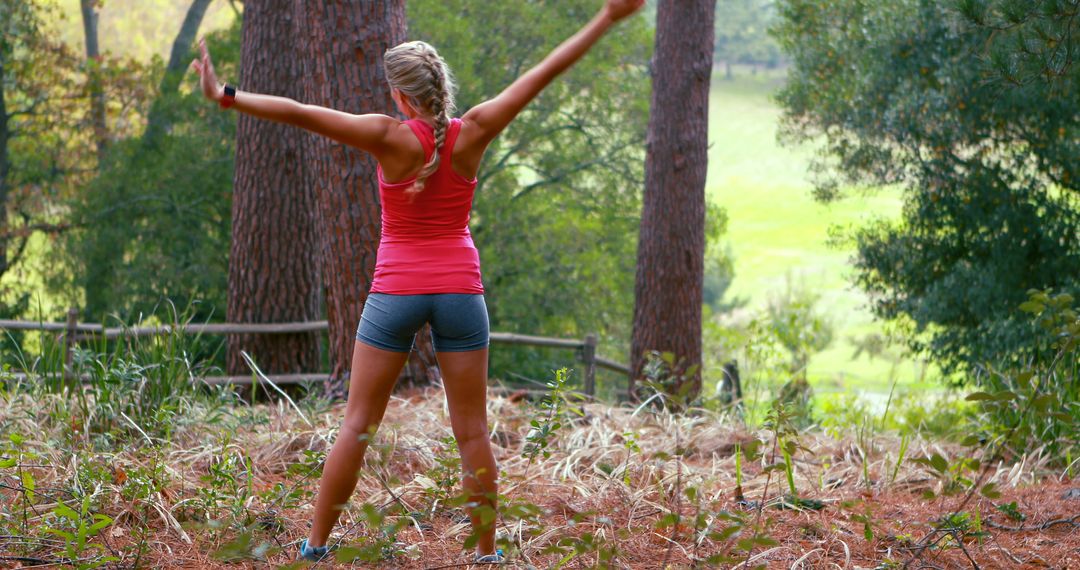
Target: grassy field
[{"x": 777, "y": 232}]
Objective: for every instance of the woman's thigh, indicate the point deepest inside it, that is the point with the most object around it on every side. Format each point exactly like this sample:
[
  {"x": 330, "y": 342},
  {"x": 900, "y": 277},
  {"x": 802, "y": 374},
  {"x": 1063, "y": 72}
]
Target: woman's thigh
[
  {"x": 374, "y": 372},
  {"x": 465, "y": 381}
]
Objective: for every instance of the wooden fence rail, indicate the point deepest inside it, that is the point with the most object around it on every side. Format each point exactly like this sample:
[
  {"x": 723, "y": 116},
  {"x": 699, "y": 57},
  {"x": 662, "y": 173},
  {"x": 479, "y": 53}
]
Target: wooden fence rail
[{"x": 73, "y": 332}]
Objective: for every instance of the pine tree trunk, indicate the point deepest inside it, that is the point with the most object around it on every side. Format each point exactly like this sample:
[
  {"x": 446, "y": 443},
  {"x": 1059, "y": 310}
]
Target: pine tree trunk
[
  {"x": 343, "y": 44},
  {"x": 671, "y": 246},
  {"x": 94, "y": 87},
  {"x": 274, "y": 262}
]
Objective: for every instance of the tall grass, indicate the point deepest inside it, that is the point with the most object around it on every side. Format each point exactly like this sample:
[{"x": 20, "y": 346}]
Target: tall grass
[{"x": 134, "y": 385}]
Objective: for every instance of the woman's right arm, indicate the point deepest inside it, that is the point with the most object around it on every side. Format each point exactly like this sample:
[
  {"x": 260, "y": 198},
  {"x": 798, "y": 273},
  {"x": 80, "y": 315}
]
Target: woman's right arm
[
  {"x": 485, "y": 121},
  {"x": 368, "y": 132}
]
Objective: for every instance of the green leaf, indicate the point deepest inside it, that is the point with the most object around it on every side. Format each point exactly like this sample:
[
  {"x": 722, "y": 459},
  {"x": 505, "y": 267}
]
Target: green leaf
[
  {"x": 667, "y": 520},
  {"x": 1004, "y": 395},
  {"x": 725, "y": 533},
  {"x": 346, "y": 554},
  {"x": 1044, "y": 402},
  {"x": 102, "y": 522},
  {"x": 472, "y": 540},
  {"x": 66, "y": 512},
  {"x": 66, "y": 535},
  {"x": 939, "y": 463},
  {"x": 1032, "y": 307},
  {"x": 29, "y": 485}
]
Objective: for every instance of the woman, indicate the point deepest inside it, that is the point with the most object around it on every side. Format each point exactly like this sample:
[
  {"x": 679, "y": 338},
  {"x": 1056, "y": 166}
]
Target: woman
[{"x": 427, "y": 268}]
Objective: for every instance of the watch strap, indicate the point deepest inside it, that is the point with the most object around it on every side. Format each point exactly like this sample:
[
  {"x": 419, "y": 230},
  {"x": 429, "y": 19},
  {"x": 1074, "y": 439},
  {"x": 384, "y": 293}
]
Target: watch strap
[{"x": 229, "y": 97}]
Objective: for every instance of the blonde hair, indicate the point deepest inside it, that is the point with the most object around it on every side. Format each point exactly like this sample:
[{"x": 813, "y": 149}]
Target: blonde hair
[{"x": 418, "y": 72}]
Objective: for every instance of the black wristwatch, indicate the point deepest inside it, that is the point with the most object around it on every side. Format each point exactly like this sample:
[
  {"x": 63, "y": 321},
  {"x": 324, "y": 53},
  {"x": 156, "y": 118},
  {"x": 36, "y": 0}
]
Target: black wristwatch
[{"x": 229, "y": 98}]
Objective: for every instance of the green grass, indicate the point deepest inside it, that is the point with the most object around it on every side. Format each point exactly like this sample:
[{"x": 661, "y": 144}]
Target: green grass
[{"x": 776, "y": 230}]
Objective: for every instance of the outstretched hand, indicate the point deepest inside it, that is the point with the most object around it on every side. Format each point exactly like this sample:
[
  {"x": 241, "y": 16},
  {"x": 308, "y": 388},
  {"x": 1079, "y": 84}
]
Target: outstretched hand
[
  {"x": 207, "y": 77},
  {"x": 619, "y": 9}
]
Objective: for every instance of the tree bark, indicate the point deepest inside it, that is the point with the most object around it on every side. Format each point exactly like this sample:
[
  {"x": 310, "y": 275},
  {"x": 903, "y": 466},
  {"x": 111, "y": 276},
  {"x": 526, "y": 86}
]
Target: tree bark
[
  {"x": 158, "y": 121},
  {"x": 274, "y": 260},
  {"x": 343, "y": 43},
  {"x": 4, "y": 136},
  {"x": 94, "y": 85},
  {"x": 422, "y": 369},
  {"x": 671, "y": 245}
]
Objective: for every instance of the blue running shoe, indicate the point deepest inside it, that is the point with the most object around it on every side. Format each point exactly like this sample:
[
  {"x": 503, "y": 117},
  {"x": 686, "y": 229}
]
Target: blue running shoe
[
  {"x": 312, "y": 553},
  {"x": 496, "y": 558}
]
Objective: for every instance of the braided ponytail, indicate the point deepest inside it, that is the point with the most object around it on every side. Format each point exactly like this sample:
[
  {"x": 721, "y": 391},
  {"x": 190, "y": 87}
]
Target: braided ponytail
[{"x": 417, "y": 70}]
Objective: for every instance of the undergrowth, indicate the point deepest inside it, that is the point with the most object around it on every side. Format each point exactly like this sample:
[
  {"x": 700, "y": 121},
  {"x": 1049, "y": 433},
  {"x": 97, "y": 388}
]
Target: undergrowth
[{"x": 104, "y": 460}]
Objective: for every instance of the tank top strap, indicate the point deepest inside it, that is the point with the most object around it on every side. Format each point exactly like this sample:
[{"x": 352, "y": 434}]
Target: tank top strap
[
  {"x": 452, "y": 133},
  {"x": 425, "y": 134}
]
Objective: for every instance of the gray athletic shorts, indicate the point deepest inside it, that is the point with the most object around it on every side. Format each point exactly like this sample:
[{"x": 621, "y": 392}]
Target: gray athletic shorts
[{"x": 459, "y": 322}]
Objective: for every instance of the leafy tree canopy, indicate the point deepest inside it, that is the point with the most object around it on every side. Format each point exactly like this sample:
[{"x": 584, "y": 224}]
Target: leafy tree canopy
[
  {"x": 154, "y": 225},
  {"x": 906, "y": 93},
  {"x": 742, "y": 32}
]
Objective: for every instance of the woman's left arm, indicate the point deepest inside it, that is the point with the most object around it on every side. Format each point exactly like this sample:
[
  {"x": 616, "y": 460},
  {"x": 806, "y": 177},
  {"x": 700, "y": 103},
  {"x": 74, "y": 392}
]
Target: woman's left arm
[{"x": 367, "y": 132}]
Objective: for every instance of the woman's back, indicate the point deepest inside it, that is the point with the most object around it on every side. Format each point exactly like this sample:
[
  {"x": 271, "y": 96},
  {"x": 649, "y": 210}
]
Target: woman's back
[
  {"x": 425, "y": 246},
  {"x": 441, "y": 210}
]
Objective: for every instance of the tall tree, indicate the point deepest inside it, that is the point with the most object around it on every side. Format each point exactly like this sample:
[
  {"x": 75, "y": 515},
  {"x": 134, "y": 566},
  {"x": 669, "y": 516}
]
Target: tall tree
[
  {"x": 273, "y": 262},
  {"x": 149, "y": 227},
  {"x": 343, "y": 44},
  {"x": 5, "y": 135},
  {"x": 991, "y": 185},
  {"x": 93, "y": 75},
  {"x": 41, "y": 145},
  {"x": 671, "y": 244},
  {"x": 159, "y": 118}
]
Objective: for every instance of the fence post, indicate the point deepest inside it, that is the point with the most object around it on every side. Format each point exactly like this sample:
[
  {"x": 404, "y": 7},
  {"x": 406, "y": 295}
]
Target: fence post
[
  {"x": 731, "y": 375},
  {"x": 588, "y": 355},
  {"x": 732, "y": 385},
  {"x": 69, "y": 340}
]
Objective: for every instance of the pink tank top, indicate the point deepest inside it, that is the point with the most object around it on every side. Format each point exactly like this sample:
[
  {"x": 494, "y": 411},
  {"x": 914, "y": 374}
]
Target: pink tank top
[{"x": 425, "y": 245}]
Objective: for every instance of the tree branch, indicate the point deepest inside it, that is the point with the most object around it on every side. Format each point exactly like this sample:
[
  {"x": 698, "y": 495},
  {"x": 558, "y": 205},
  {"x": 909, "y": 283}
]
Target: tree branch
[
  {"x": 157, "y": 123},
  {"x": 26, "y": 230},
  {"x": 563, "y": 175},
  {"x": 521, "y": 145}
]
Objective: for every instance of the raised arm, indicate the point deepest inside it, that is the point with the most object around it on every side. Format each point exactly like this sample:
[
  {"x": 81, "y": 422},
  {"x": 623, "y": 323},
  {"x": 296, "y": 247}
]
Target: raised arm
[
  {"x": 367, "y": 132},
  {"x": 485, "y": 121}
]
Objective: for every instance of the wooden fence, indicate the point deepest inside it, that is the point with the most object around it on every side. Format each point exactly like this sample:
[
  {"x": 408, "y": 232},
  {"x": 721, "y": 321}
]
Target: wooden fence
[{"x": 73, "y": 332}]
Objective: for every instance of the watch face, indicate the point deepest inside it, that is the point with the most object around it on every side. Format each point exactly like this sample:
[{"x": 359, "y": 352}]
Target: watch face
[{"x": 230, "y": 90}]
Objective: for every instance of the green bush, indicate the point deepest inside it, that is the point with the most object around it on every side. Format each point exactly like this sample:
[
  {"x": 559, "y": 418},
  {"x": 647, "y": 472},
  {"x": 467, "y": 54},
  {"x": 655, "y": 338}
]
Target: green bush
[
  {"x": 990, "y": 184},
  {"x": 1036, "y": 404},
  {"x": 154, "y": 225}
]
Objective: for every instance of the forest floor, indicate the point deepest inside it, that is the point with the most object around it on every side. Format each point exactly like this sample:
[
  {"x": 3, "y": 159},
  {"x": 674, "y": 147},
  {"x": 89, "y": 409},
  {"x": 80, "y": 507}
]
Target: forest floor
[{"x": 608, "y": 491}]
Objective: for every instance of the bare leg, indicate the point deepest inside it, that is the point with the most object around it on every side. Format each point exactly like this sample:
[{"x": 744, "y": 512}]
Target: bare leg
[
  {"x": 374, "y": 372},
  {"x": 465, "y": 379}
]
